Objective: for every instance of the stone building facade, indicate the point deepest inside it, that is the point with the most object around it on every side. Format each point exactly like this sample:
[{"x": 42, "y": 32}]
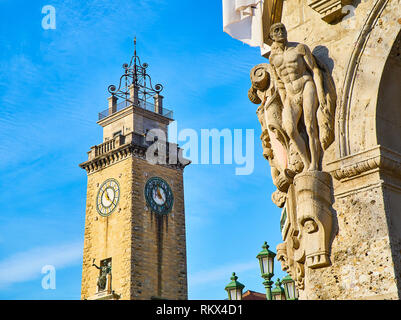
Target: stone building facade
[{"x": 358, "y": 42}]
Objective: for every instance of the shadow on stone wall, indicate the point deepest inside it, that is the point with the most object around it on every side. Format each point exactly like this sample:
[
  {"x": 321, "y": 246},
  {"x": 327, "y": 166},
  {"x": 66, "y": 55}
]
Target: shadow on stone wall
[{"x": 323, "y": 54}]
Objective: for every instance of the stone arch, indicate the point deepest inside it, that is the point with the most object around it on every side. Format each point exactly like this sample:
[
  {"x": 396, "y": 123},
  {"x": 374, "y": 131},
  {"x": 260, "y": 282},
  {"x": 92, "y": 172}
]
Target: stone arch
[
  {"x": 388, "y": 117},
  {"x": 369, "y": 125},
  {"x": 356, "y": 113}
]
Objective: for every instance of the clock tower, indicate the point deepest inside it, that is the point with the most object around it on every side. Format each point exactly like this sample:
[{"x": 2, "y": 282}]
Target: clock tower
[{"x": 135, "y": 245}]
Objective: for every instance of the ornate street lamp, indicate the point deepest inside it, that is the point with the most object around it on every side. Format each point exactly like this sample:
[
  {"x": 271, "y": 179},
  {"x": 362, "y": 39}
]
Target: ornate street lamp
[
  {"x": 278, "y": 292},
  {"x": 291, "y": 291},
  {"x": 234, "y": 288},
  {"x": 266, "y": 261}
]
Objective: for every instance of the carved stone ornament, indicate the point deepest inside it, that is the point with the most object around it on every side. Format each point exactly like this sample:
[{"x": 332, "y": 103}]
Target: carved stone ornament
[
  {"x": 297, "y": 101},
  {"x": 330, "y": 10}
]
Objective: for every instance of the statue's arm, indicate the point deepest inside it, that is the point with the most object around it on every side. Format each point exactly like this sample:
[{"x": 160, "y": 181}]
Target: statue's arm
[
  {"x": 316, "y": 72},
  {"x": 94, "y": 265}
]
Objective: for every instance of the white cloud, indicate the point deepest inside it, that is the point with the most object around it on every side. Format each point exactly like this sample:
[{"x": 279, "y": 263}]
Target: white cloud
[
  {"x": 27, "y": 265},
  {"x": 220, "y": 274}
]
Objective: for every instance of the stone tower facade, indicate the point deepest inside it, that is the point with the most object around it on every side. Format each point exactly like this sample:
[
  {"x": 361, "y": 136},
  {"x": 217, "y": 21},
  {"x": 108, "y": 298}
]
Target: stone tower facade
[{"x": 135, "y": 245}]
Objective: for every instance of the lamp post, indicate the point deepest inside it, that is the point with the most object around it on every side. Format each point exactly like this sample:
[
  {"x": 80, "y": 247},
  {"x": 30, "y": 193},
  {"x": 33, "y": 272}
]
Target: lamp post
[
  {"x": 291, "y": 292},
  {"x": 266, "y": 261},
  {"x": 234, "y": 288},
  {"x": 278, "y": 292}
]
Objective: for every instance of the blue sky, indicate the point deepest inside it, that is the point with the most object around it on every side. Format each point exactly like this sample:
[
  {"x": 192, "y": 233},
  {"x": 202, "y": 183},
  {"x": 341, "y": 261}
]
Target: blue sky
[{"x": 52, "y": 85}]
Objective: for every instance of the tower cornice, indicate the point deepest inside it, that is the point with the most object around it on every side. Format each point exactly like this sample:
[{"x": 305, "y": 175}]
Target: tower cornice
[{"x": 121, "y": 148}]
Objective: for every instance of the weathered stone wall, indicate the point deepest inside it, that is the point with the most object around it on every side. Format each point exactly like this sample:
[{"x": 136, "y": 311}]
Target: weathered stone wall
[
  {"x": 366, "y": 246},
  {"x": 109, "y": 237},
  {"x": 361, "y": 254},
  {"x": 148, "y": 252},
  {"x": 132, "y": 119},
  {"x": 158, "y": 242}
]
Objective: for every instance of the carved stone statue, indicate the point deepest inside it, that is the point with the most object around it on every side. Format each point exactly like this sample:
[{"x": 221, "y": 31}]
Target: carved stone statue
[
  {"x": 297, "y": 102},
  {"x": 105, "y": 271},
  {"x": 300, "y": 83}
]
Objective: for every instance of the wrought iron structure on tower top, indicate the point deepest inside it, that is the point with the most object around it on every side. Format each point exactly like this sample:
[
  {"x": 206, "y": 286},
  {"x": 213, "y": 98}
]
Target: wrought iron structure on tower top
[
  {"x": 135, "y": 88},
  {"x": 135, "y": 74}
]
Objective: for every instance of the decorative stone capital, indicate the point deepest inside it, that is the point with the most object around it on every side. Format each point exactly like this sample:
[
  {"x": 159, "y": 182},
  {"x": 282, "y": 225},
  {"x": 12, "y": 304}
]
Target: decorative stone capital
[
  {"x": 365, "y": 162},
  {"x": 330, "y": 10}
]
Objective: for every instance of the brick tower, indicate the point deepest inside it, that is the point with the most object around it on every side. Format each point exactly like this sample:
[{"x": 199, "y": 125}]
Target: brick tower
[{"x": 135, "y": 246}]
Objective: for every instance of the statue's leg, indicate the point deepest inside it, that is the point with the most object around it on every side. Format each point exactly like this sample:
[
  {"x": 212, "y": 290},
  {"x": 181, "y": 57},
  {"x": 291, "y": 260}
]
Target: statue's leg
[
  {"x": 310, "y": 105},
  {"x": 291, "y": 114}
]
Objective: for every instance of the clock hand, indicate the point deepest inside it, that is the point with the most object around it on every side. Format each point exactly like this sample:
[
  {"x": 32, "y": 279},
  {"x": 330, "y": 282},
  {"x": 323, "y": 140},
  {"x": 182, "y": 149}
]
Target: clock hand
[
  {"x": 107, "y": 195},
  {"x": 159, "y": 195}
]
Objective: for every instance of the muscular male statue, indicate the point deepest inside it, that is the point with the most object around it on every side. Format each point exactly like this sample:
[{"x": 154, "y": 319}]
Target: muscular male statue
[{"x": 300, "y": 85}]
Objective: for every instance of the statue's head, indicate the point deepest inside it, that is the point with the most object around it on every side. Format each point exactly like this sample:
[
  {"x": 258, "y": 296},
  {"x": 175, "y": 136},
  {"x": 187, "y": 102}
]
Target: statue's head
[{"x": 278, "y": 32}]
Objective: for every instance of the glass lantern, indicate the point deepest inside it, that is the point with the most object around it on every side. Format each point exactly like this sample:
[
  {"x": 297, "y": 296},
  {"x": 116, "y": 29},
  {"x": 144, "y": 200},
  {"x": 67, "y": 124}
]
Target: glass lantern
[
  {"x": 234, "y": 288},
  {"x": 291, "y": 291},
  {"x": 278, "y": 292},
  {"x": 266, "y": 261}
]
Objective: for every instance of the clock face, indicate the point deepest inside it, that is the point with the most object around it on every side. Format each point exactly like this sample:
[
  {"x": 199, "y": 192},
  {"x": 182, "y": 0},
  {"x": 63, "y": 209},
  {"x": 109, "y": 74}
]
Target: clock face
[
  {"x": 159, "y": 196},
  {"x": 107, "y": 197}
]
